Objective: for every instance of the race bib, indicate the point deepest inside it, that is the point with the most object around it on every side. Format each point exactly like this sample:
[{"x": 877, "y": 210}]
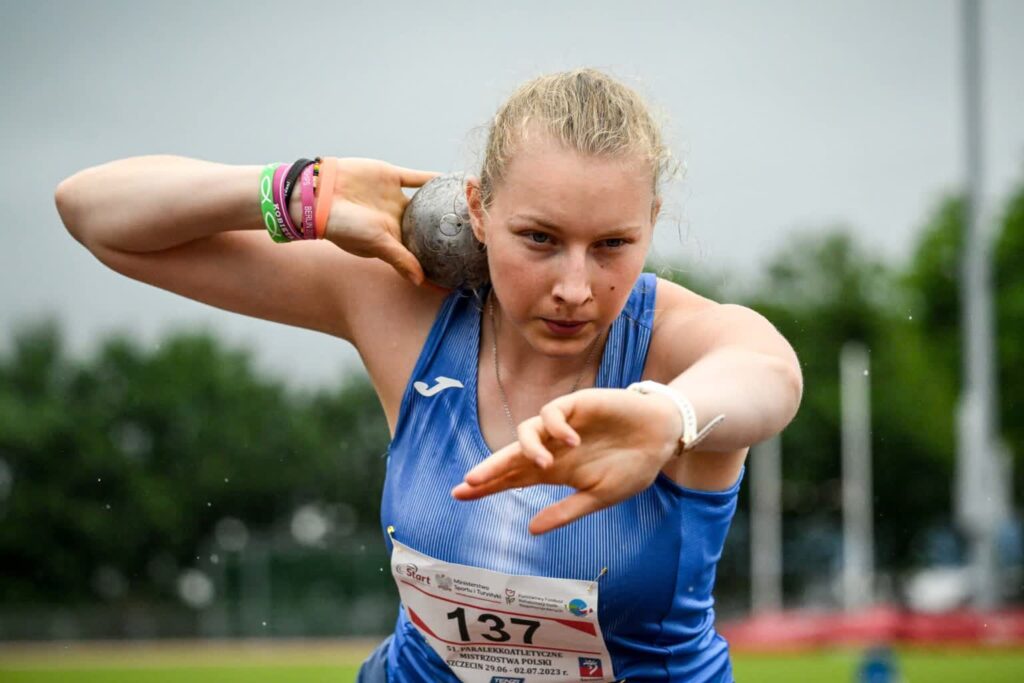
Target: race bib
[{"x": 491, "y": 627}]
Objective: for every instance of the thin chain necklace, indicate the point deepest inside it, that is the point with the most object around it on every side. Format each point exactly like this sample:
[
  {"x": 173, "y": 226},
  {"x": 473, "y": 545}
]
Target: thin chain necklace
[{"x": 497, "y": 374}]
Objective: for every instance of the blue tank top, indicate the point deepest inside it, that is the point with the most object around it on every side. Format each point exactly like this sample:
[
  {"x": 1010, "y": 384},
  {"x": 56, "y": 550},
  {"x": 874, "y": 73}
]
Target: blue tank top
[{"x": 660, "y": 547}]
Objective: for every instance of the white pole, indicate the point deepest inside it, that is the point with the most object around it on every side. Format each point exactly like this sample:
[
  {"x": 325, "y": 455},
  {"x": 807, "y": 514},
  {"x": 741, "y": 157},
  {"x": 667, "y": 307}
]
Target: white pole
[
  {"x": 858, "y": 530},
  {"x": 981, "y": 499},
  {"x": 766, "y": 526}
]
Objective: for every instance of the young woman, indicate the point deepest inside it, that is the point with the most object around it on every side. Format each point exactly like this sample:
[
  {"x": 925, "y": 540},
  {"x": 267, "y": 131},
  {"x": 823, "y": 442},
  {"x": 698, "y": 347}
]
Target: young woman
[{"x": 549, "y": 516}]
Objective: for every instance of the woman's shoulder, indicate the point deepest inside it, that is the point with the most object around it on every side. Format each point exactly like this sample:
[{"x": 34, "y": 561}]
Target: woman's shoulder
[
  {"x": 675, "y": 300},
  {"x": 675, "y": 327},
  {"x": 688, "y": 325},
  {"x": 393, "y": 323}
]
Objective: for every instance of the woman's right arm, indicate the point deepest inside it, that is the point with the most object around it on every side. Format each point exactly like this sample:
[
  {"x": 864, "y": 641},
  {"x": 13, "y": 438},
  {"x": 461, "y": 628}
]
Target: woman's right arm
[{"x": 195, "y": 228}]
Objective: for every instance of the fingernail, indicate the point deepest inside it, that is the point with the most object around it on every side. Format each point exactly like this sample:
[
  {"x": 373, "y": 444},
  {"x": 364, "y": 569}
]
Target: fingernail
[{"x": 572, "y": 440}]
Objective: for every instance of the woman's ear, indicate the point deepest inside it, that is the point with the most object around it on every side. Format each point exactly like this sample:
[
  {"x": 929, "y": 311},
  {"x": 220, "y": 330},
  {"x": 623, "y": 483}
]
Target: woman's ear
[{"x": 474, "y": 201}]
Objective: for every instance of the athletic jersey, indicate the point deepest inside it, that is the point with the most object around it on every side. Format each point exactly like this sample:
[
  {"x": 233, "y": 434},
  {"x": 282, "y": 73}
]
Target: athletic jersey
[{"x": 660, "y": 547}]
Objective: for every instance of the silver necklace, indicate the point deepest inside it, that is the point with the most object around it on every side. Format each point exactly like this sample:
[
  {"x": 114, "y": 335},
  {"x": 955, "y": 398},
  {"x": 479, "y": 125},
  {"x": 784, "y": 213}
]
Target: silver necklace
[{"x": 497, "y": 374}]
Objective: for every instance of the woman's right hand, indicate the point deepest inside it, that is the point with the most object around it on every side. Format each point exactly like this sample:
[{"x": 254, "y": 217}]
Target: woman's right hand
[{"x": 366, "y": 212}]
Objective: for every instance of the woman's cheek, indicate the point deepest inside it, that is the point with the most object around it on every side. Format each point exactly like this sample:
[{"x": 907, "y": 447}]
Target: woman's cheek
[{"x": 517, "y": 280}]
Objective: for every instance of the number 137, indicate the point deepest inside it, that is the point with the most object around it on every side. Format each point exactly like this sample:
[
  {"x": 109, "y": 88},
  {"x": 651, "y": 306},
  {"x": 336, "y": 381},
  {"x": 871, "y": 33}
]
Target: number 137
[{"x": 497, "y": 632}]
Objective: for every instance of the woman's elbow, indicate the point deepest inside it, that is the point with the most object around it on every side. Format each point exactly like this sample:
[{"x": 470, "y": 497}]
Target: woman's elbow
[
  {"x": 793, "y": 381},
  {"x": 66, "y": 199}
]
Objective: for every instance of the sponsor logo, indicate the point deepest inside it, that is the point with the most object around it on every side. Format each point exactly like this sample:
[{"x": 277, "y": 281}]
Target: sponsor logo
[
  {"x": 411, "y": 571},
  {"x": 510, "y": 596},
  {"x": 590, "y": 667},
  {"x": 443, "y": 582},
  {"x": 507, "y": 679},
  {"x": 442, "y": 383},
  {"x": 578, "y": 608}
]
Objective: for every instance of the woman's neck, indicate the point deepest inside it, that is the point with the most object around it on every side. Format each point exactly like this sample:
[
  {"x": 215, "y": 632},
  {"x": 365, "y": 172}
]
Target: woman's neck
[{"x": 527, "y": 369}]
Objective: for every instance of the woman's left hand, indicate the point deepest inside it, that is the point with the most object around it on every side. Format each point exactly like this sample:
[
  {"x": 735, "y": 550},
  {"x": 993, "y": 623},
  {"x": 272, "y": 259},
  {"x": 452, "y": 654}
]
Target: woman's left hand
[{"x": 608, "y": 444}]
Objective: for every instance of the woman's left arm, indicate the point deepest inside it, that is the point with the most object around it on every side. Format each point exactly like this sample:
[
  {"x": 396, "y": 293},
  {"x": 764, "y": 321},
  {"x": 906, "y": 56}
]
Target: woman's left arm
[{"x": 737, "y": 365}]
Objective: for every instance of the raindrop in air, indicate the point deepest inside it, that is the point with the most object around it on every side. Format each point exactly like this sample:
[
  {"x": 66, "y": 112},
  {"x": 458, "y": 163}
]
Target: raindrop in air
[
  {"x": 310, "y": 524},
  {"x": 195, "y": 588}
]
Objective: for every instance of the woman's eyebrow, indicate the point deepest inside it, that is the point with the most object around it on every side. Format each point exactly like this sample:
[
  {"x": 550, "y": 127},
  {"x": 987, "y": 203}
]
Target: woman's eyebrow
[
  {"x": 552, "y": 226},
  {"x": 533, "y": 219}
]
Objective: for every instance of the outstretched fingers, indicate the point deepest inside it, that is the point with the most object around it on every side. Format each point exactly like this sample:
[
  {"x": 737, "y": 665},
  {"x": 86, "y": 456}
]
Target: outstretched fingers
[
  {"x": 465, "y": 491},
  {"x": 565, "y": 511},
  {"x": 530, "y": 433},
  {"x": 556, "y": 422},
  {"x": 551, "y": 425},
  {"x": 495, "y": 466}
]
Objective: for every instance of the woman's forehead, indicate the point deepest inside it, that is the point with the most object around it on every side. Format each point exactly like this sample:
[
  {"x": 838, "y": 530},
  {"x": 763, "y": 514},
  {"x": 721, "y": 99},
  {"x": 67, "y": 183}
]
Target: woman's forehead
[{"x": 556, "y": 185}]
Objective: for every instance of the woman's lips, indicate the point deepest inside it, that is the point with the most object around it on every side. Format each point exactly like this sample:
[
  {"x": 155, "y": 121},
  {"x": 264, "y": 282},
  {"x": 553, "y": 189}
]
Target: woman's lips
[{"x": 564, "y": 327}]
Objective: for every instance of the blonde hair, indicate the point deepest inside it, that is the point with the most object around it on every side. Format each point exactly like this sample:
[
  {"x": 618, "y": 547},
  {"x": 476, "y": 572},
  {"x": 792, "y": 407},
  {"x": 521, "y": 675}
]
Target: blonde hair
[{"x": 585, "y": 110}]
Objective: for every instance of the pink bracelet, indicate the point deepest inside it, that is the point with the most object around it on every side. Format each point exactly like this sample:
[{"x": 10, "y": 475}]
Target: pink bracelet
[
  {"x": 308, "y": 218},
  {"x": 287, "y": 227}
]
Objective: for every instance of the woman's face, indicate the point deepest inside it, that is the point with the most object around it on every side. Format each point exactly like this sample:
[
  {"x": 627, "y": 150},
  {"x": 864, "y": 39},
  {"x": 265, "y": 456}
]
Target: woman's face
[{"x": 566, "y": 236}]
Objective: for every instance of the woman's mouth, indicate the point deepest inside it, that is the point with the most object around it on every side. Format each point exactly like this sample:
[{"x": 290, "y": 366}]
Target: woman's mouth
[{"x": 565, "y": 328}]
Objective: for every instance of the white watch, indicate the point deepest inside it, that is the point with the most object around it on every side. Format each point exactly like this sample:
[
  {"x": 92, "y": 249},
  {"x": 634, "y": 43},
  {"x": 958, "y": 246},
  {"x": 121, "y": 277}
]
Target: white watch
[{"x": 690, "y": 436}]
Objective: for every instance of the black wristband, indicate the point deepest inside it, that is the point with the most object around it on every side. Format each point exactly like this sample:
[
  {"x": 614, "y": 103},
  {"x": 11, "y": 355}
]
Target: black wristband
[{"x": 289, "y": 180}]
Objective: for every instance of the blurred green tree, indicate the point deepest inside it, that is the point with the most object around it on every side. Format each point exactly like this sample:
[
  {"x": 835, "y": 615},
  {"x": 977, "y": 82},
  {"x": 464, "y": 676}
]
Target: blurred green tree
[
  {"x": 933, "y": 277},
  {"x": 823, "y": 290},
  {"x": 137, "y": 454}
]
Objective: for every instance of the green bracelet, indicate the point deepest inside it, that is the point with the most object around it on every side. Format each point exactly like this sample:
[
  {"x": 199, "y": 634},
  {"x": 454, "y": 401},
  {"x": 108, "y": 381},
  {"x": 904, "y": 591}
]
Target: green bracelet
[{"x": 267, "y": 203}]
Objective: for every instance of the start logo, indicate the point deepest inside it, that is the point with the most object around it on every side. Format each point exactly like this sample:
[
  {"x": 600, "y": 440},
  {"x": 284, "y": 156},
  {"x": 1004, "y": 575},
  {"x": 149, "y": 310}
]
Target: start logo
[
  {"x": 590, "y": 667},
  {"x": 411, "y": 571}
]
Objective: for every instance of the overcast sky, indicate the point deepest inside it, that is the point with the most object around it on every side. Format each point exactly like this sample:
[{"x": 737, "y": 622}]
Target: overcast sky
[{"x": 789, "y": 115}]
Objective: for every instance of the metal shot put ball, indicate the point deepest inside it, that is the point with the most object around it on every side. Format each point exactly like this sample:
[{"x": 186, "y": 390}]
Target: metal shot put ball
[{"x": 436, "y": 229}]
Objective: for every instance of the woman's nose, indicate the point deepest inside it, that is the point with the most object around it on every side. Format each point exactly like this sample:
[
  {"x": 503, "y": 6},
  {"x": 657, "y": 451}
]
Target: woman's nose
[{"x": 572, "y": 287}]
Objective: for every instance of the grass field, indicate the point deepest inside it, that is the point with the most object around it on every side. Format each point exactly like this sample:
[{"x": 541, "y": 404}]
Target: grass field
[{"x": 335, "y": 662}]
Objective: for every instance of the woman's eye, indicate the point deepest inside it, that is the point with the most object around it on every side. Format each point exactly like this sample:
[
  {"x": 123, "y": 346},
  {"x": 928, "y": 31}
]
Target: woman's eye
[
  {"x": 615, "y": 242},
  {"x": 543, "y": 238}
]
